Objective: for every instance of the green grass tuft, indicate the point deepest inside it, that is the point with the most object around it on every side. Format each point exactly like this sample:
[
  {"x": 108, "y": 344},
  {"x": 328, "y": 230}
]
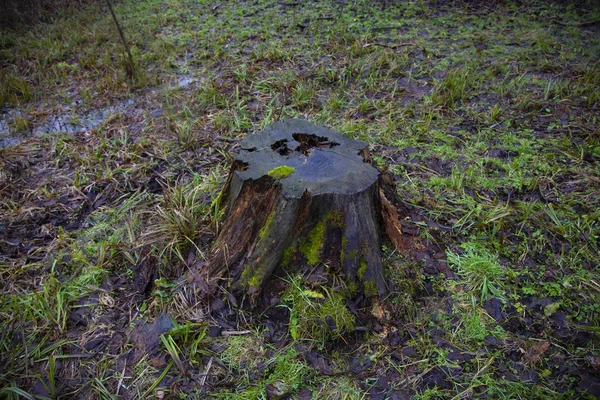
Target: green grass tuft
[
  {"x": 480, "y": 269},
  {"x": 316, "y": 315}
]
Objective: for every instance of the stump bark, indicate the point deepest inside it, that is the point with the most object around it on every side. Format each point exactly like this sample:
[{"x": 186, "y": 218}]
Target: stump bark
[{"x": 300, "y": 196}]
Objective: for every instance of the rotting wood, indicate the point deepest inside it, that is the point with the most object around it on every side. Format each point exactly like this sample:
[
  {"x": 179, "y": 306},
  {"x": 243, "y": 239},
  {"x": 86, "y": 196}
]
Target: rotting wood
[{"x": 304, "y": 198}]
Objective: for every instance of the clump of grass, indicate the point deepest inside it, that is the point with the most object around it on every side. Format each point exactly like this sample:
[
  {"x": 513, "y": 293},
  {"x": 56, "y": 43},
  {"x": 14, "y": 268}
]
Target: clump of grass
[
  {"x": 14, "y": 90},
  {"x": 408, "y": 284},
  {"x": 316, "y": 316},
  {"x": 475, "y": 325},
  {"x": 480, "y": 269},
  {"x": 285, "y": 373},
  {"x": 181, "y": 218},
  {"x": 242, "y": 352},
  {"x": 455, "y": 87},
  {"x": 339, "y": 388},
  {"x": 289, "y": 373}
]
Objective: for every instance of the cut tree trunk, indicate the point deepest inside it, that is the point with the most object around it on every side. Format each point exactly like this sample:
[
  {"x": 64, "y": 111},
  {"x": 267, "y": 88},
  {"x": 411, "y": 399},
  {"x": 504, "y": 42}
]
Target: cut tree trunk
[{"x": 298, "y": 197}]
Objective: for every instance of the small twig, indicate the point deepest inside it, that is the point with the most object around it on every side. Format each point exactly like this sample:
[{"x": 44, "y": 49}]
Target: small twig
[
  {"x": 232, "y": 333},
  {"x": 120, "y": 383},
  {"x": 205, "y": 374}
]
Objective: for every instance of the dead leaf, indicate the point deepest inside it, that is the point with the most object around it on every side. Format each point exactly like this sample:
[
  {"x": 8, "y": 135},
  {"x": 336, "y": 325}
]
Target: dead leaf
[{"x": 535, "y": 352}]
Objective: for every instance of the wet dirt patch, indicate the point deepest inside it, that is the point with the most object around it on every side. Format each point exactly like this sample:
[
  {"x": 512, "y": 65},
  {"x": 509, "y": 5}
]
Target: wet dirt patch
[{"x": 66, "y": 122}]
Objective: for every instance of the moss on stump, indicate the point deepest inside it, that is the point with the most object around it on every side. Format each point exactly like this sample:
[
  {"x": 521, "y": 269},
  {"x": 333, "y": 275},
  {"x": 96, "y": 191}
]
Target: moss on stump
[{"x": 307, "y": 199}]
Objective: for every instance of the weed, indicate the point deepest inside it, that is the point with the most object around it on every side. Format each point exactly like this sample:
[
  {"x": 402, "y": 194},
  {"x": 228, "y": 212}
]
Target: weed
[
  {"x": 480, "y": 269},
  {"x": 455, "y": 87},
  {"x": 181, "y": 218},
  {"x": 14, "y": 90}
]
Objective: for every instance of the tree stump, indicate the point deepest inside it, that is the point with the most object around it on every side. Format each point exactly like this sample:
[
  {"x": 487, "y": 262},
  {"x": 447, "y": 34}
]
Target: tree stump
[{"x": 300, "y": 196}]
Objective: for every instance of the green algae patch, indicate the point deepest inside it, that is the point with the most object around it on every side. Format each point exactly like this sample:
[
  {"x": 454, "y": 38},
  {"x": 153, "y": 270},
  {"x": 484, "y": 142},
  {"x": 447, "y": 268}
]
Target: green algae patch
[
  {"x": 337, "y": 219},
  {"x": 288, "y": 256},
  {"x": 250, "y": 278},
  {"x": 351, "y": 289},
  {"x": 311, "y": 247},
  {"x": 369, "y": 284},
  {"x": 281, "y": 172},
  {"x": 253, "y": 275}
]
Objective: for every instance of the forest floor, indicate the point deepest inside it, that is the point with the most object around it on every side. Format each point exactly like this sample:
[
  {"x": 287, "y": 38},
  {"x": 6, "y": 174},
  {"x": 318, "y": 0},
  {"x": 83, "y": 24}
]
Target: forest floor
[{"x": 487, "y": 113}]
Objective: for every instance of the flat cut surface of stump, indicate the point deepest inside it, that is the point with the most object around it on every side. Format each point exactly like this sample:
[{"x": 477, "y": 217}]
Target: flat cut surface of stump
[
  {"x": 302, "y": 197},
  {"x": 325, "y": 161}
]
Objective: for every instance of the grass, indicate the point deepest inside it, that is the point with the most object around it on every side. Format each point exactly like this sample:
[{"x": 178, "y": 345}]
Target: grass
[
  {"x": 315, "y": 316},
  {"x": 480, "y": 270},
  {"x": 485, "y": 114}
]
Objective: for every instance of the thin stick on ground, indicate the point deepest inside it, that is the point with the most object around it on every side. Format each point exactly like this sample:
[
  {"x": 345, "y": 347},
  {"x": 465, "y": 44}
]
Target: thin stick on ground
[{"x": 130, "y": 72}]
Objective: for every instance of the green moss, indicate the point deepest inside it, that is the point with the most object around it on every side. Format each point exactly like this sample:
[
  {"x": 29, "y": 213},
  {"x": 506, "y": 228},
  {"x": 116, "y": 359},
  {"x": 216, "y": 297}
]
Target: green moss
[
  {"x": 371, "y": 288},
  {"x": 362, "y": 270},
  {"x": 351, "y": 289},
  {"x": 255, "y": 281},
  {"x": 311, "y": 248},
  {"x": 288, "y": 254},
  {"x": 337, "y": 219},
  {"x": 264, "y": 231},
  {"x": 281, "y": 172},
  {"x": 343, "y": 250},
  {"x": 312, "y": 245},
  {"x": 253, "y": 275},
  {"x": 352, "y": 254}
]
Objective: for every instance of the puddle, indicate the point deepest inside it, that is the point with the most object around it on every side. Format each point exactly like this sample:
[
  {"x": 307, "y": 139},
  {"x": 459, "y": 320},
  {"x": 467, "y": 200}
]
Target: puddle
[
  {"x": 68, "y": 122},
  {"x": 6, "y": 139},
  {"x": 71, "y": 122},
  {"x": 184, "y": 82},
  {"x": 180, "y": 82}
]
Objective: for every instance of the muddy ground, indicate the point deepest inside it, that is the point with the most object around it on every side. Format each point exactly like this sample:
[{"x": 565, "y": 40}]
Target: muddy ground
[{"x": 486, "y": 114}]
